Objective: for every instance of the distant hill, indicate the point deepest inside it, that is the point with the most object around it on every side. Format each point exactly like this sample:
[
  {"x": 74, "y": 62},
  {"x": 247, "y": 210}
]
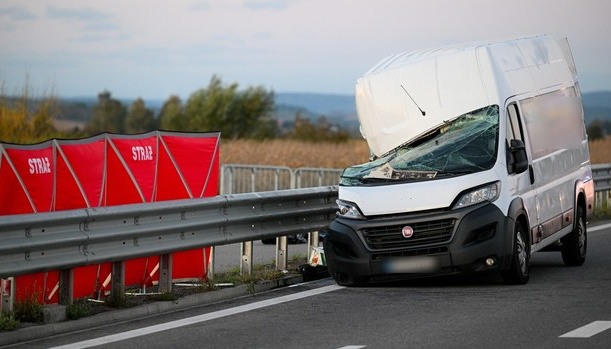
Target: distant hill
[
  {"x": 321, "y": 104},
  {"x": 597, "y": 106},
  {"x": 338, "y": 109},
  {"x": 597, "y": 99}
]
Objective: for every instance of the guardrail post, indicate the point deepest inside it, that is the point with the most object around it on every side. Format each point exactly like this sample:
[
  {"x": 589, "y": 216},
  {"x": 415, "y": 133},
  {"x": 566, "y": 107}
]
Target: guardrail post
[
  {"x": 313, "y": 240},
  {"x": 165, "y": 273},
  {"x": 246, "y": 260},
  {"x": 118, "y": 281},
  {"x": 210, "y": 269},
  {"x": 66, "y": 286},
  {"x": 7, "y": 294},
  {"x": 281, "y": 253}
]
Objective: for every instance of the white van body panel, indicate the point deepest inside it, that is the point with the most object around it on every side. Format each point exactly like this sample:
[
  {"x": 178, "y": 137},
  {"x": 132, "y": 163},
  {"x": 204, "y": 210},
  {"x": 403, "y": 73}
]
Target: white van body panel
[
  {"x": 410, "y": 197},
  {"x": 390, "y": 95}
]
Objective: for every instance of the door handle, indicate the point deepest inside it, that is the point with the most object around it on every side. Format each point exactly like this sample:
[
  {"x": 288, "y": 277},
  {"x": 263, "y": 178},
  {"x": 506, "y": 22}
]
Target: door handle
[{"x": 531, "y": 172}]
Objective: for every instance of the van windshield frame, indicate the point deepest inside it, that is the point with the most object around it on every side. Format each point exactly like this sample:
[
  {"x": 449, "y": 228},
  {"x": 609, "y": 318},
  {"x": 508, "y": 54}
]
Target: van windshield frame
[{"x": 463, "y": 145}]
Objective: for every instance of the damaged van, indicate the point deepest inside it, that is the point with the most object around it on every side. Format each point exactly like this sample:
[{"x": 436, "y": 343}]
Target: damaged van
[{"x": 479, "y": 159}]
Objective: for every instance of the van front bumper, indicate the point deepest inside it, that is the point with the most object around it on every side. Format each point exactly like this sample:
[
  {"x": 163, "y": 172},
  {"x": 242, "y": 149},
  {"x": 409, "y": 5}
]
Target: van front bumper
[{"x": 473, "y": 239}]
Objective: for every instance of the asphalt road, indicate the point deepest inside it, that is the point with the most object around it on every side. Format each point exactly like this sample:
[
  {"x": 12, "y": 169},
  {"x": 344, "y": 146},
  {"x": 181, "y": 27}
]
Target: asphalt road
[{"x": 561, "y": 307}]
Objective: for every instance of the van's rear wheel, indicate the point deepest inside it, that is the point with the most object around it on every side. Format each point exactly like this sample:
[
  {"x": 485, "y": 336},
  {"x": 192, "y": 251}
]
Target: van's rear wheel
[
  {"x": 575, "y": 245},
  {"x": 519, "y": 271}
]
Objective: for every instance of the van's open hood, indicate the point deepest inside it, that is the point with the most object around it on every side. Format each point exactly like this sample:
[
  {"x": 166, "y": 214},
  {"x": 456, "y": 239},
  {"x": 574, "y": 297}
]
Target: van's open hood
[{"x": 390, "y": 95}]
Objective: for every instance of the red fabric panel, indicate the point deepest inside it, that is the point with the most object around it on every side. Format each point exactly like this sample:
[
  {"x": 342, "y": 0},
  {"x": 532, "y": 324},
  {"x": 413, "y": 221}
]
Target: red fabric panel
[
  {"x": 212, "y": 186},
  {"x": 169, "y": 184},
  {"x": 39, "y": 286},
  {"x": 137, "y": 271},
  {"x": 87, "y": 161},
  {"x": 140, "y": 156},
  {"x": 88, "y": 280},
  {"x": 35, "y": 167},
  {"x": 13, "y": 199},
  {"x": 68, "y": 195},
  {"x": 190, "y": 264},
  {"x": 120, "y": 188},
  {"x": 194, "y": 157}
]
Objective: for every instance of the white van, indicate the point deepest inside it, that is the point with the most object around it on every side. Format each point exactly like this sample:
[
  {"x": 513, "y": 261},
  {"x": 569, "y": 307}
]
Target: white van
[{"x": 479, "y": 158}]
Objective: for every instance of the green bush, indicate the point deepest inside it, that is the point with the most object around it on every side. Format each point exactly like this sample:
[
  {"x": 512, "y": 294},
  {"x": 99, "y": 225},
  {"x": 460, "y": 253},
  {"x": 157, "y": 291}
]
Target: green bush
[
  {"x": 8, "y": 322},
  {"x": 29, "y": 309},
  {"x": 79, "y": 309}
]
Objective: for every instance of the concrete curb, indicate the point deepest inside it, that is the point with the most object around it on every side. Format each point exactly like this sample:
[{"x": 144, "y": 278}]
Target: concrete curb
[{"x": 114, "y": 316}]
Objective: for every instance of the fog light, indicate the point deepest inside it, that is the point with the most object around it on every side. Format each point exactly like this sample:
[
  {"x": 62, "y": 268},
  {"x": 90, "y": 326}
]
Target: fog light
[{"x": 490, "y": 262}]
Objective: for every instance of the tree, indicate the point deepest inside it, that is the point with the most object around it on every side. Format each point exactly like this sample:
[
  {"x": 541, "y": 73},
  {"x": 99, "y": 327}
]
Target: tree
[
  {"x": 172, "y": 116},
  {"x": 25, "y": 119},
  {"x": 322, "y": 130},
  {"x": 251, "y": 116},
  {"x": 139, "y": 119},
  {"x": 595, "y": 130},
  {"x": 236, "y": 114},
  {"x": 108, "y": 115}
]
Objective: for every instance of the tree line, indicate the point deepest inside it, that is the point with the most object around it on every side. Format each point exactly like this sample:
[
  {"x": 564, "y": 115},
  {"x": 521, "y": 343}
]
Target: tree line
[{"x": 236, "y": 113}]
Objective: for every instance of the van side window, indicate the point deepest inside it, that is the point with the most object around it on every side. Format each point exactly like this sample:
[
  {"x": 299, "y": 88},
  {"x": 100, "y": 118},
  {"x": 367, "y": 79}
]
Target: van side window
[
  {"x": 514, "y": 128},
  {"x": 514, "y": 131},
  {"x": 554, "y": 121}
]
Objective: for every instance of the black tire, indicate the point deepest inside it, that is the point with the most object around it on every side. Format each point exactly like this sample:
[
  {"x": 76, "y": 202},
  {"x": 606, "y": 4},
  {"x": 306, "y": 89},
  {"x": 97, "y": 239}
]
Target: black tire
[
  {"x": 519, "y": 272},
  {"x": 269, "y": 241},
  {"x": 575, "y": 244},
  {"x": 347, "y": 280}
]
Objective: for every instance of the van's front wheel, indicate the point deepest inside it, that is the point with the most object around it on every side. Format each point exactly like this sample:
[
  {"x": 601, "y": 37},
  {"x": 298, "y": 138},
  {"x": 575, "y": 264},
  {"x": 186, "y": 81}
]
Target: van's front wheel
[
  {"x": 519, "y": 271},
  {"x": 347, "y": 280},
  {"x": 575, "y": 245}
]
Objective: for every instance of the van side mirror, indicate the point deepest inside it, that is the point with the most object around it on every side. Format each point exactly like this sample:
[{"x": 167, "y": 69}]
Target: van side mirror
[{"x": 518, "y": 150}]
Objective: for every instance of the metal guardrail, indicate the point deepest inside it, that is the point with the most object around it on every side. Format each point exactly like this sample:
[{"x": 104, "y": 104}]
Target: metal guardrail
[
  {"x": 601, "y": 174},
  {"x": 253, "y": 178},
  {"x": 61, "y": 240},
  {"x": 602, "y": 177}
]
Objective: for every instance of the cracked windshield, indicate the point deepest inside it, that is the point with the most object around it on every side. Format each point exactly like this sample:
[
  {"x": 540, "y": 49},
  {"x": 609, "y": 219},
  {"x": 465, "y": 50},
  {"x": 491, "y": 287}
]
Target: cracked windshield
[{"x": 463, "y": 145}]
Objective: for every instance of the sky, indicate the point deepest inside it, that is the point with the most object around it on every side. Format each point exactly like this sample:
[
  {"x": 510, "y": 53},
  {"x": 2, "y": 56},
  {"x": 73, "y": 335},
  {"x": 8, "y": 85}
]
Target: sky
[{"x": 154, "y": 49}]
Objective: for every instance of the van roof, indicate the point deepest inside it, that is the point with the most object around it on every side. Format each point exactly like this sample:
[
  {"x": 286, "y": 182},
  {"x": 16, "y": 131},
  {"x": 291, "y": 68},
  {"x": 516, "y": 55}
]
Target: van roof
[{"x": 408, "y": 94}]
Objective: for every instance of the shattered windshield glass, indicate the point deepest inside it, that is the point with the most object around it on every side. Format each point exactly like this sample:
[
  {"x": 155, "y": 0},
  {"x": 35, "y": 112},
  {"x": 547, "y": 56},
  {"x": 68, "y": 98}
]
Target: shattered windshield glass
[{"x": 466, "y": 144}]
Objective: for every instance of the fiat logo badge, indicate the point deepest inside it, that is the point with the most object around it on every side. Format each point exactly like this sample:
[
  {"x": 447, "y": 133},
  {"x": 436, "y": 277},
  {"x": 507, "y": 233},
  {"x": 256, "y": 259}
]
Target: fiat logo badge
[{"x": 407, "y": 232}]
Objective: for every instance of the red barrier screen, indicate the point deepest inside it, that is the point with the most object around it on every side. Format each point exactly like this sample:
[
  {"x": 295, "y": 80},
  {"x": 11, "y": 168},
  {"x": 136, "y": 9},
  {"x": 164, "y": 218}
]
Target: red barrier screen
[{"x": 108, "y": 170}]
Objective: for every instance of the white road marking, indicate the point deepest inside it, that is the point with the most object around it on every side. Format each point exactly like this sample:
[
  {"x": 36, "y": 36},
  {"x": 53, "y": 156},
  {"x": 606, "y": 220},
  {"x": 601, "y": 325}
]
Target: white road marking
[
  {"x": 353, "y": 347},
  {"x": 600, "y": 227},
  {"x": 588, "y": 330},
  {"x": 197, "y": 319}
]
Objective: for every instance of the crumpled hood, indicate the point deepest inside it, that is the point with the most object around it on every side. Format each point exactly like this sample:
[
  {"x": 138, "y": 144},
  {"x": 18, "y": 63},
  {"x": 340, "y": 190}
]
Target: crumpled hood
[{"x": 442, "y": 83}]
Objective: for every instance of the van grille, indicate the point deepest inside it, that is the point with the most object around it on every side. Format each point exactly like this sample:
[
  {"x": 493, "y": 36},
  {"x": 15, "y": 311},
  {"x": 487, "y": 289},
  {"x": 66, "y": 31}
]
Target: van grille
[{"x": 390, "y": 237}]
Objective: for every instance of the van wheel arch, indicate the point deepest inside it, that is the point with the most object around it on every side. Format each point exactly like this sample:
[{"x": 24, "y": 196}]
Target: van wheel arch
[
  {"x": 517, "y": 213},
  {"x": 574, "y": 245}
]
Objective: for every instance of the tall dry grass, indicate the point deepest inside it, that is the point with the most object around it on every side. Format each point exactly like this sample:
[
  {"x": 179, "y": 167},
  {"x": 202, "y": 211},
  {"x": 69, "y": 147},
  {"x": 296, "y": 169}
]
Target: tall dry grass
[
  {"x": 600, "y": 151},
  {"x": 294, "y": 154}
]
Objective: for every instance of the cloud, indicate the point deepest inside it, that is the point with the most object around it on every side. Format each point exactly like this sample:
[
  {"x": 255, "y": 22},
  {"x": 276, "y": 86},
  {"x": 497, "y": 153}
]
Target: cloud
[
  {"x": 17, "y": 13},
  {"x": 85, "y": 14},
  {"x": 268, "y": 4},
  {"x": 92, "y": 19},
  {"x": 200, "y": 6}
]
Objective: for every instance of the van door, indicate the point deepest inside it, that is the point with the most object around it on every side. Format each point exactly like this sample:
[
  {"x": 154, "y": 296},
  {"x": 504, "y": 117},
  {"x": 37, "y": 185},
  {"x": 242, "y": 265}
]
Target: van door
[
  {"x": 521, "y": 183},
  {"x": 554, "y": 130}
]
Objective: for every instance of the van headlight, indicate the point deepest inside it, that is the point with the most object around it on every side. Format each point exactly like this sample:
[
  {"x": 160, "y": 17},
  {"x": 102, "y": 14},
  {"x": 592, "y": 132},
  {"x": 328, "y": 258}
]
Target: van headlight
[
  {"x": 348, "y": 209},
  {"x": 489, "y": 192}
]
